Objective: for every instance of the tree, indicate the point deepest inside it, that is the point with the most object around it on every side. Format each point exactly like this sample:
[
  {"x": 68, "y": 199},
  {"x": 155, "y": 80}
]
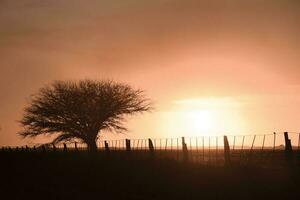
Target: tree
[{"x": 81, "y": 110}]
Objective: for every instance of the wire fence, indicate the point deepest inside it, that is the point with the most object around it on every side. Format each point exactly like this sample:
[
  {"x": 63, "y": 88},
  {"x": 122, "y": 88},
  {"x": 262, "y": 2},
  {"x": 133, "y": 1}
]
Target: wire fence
[
  {"x": 274, "y": 141},
  {"x": 203, "y": 149},
  {"x": 210, "y": 149}
]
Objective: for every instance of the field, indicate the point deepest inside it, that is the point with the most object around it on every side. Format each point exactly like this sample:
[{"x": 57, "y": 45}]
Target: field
[{"x": 141, "y": 175}]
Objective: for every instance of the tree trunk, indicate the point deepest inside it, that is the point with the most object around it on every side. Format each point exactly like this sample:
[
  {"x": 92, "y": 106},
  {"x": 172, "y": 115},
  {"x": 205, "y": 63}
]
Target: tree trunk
[{"x": 92, "y": 145}]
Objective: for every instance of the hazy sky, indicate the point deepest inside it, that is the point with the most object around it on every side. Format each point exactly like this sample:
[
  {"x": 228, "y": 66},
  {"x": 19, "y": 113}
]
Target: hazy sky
[{"x": 241, "y": 55}]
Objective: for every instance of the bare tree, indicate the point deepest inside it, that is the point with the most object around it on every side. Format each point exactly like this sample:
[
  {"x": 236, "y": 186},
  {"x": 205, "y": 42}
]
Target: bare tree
[{"x": 81, "y": 110}]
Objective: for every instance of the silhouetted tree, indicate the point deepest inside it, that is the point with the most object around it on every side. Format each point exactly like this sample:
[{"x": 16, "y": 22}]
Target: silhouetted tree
[{"x": 81, "y": 110}]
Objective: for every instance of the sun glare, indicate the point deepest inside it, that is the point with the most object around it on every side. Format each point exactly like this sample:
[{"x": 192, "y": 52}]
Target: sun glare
[
  {"x": 199, "y": 120},
  {"x": 209, "y": 116}
]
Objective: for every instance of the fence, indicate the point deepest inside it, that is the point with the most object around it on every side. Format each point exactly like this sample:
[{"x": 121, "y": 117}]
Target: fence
[{"x": 269, "y": 148}]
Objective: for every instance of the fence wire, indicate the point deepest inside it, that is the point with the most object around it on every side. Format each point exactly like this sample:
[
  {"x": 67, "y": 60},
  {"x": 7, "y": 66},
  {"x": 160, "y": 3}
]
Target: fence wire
[{"x": 202, "y": 149}]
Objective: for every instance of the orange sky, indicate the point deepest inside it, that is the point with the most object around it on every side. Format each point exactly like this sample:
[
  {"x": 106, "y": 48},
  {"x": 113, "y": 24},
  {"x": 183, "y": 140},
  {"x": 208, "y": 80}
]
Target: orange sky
[{"x": 240, "y": 56}]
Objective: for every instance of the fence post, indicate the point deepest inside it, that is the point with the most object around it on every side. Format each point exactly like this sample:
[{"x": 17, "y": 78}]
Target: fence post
[
  {"x": 76, "y": 148},
  {"x": 106, "y": 146},
  {"x": 185, "y": 151},
  {"x": 151, "y": 146},
  {"x": 65, "y": 147},
  {"x": 298, "y": 148},
  {"x": 274, "y": 142},
  {"x": 128, "y": 146},
  {"x": 288, "y": 147},
  {"x": 226, "y": 151},
  {"x": 298, "y": 142}
]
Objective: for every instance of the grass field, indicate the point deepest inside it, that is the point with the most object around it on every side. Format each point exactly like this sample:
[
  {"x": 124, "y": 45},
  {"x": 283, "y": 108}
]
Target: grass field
[{"x": 121, "y": 175}]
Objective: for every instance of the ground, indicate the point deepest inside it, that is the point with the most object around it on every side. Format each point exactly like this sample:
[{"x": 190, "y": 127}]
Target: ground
[{"x": 121, "y": 176}]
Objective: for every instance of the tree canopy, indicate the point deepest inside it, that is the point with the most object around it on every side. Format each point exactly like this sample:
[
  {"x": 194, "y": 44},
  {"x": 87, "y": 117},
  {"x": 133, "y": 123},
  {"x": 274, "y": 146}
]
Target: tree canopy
[{"x": 81, "y": 110}]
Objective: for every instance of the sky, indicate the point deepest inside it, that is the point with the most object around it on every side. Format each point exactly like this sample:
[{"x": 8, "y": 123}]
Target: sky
[{"x": 232, "y": 64}]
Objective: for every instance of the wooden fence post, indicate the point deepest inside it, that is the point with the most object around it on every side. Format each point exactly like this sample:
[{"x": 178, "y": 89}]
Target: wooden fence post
[
  {"x": 76, "y": 148},
  {"x": 226, "y": 151},
  {"x": 106, "y": 146},
  {"x": 288, "y": 147},
  {"x": 298, "y": 142},
  {"x": 65, "y": 147},
  {"x": 128, "y": 146},
  {"x": 274, "y": 142},
  {"x": 151, "y": 146},
  {"x": 185, "y": 152}
]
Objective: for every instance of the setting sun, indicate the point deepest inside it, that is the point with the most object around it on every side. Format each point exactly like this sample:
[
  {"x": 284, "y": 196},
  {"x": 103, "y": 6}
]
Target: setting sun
[
  {"x": 203, "y": 116},
  {"x": 199, "y": 120}
]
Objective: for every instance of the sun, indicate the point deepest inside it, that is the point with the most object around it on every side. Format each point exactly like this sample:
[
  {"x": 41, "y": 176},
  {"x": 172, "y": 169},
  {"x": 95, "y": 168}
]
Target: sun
[
  {"x": 199, "y": 120},
  {"x": 189, "y": 122},
  {"x": 198, "y": 117}
]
